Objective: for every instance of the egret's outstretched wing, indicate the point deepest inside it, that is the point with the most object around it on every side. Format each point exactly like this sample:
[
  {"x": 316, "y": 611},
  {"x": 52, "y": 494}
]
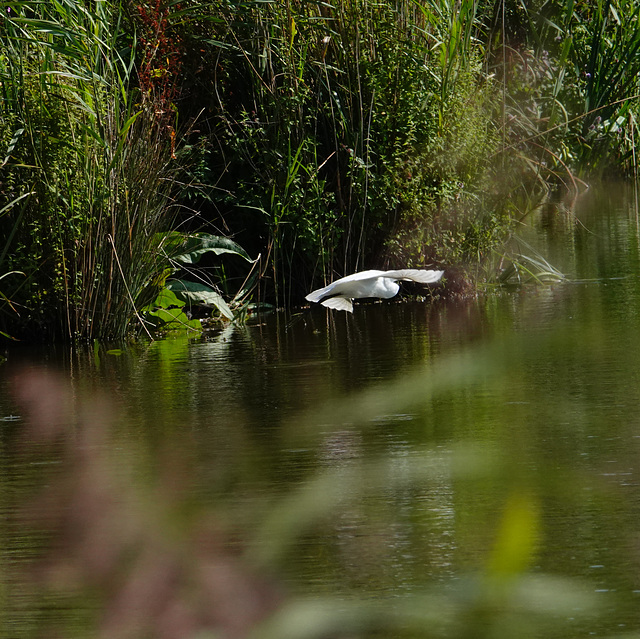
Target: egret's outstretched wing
[
  {"x": 338, "y": 303},
  {"x": 422, "y": 276}
]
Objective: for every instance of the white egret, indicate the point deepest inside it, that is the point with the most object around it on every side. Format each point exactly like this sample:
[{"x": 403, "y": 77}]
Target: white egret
[{"x": 383, "y": 284}]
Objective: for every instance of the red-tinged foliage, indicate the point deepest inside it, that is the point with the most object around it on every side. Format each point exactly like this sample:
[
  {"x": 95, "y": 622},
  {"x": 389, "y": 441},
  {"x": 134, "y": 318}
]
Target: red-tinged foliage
[{"x": 160, "y": 68}]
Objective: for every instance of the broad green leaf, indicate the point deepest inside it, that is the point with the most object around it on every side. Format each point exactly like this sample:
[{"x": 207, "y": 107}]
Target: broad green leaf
[
  {"x": 167, "y": 298},
  {"x": 166, "y": 315},
  {"x": 188, "y": 249},
  {"x": 198, "y": 293}
]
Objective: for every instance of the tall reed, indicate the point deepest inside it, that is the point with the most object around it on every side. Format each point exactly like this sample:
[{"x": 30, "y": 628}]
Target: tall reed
[
  {"x": 95, "y": 155},
  {"x": 573, "y": 85}
]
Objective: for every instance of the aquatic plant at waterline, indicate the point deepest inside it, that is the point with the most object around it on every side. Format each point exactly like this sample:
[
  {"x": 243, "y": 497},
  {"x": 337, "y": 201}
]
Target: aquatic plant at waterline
[
  {"x": 91, "y": 157},
  {"x": 186, "y": 288},
  {"x": 519, "y": 269}
]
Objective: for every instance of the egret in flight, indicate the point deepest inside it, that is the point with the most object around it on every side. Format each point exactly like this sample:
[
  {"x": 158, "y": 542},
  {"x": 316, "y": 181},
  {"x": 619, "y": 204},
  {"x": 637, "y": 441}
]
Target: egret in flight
[{"x": 383, "y": 284}]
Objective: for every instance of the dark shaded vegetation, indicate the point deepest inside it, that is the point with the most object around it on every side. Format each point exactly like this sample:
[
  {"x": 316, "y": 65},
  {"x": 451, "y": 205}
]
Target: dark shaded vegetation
[{"x": 322, "y": 138}]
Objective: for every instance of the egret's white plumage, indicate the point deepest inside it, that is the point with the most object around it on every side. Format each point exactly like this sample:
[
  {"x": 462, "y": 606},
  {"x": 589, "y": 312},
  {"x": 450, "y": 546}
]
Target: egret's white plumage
[{"x": 383, "y": 284}]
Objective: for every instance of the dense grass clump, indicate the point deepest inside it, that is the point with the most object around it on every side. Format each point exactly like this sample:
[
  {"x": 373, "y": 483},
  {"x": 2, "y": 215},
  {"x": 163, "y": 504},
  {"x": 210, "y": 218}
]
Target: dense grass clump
[{"x": 86, "y": 173}]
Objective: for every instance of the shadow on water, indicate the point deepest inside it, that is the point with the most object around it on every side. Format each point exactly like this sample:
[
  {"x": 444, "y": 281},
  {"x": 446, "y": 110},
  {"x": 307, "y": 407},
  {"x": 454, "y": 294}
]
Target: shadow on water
[{"x": 411, "y": 470}]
